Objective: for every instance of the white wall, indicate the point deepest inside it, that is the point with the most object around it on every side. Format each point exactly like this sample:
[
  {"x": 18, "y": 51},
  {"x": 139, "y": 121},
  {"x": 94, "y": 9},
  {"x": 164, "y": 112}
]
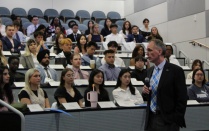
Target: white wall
[
  {"x": 179, "y": 31},
  {"x": 74, "y": 5},
  {"x": 206, "y": 4}
]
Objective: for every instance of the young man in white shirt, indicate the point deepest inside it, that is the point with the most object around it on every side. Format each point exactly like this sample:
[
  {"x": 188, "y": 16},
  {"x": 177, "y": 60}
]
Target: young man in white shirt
[
  {"x": 31, "y": 28},
  {"x": 113, "y": 45},
  {"x": 114, "y": 36}
]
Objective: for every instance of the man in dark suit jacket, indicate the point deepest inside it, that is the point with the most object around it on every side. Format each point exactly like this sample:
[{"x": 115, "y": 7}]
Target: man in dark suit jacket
[
  {"x": 10, "y": 44},
  {"x": 166, "y": 98},
  {"x": 138, "y": 38},
  {"x": 75, "y": 34}
]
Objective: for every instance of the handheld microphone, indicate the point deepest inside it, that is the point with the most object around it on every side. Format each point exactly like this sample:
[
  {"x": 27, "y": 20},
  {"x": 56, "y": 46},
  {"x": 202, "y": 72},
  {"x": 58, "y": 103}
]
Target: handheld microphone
[{"x": 146, "y": 82}]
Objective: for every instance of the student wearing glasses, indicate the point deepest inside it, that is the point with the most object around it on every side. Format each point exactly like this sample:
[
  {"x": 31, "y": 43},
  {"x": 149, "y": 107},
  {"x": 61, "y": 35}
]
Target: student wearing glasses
[
  {"x": 66, "y": 92},
  {"x": 198, "y": 90}
]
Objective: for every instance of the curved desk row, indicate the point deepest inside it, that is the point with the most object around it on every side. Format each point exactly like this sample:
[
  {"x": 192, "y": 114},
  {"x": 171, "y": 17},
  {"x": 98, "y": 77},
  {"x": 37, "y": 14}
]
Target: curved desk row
[{"x": 106, "y": 119}]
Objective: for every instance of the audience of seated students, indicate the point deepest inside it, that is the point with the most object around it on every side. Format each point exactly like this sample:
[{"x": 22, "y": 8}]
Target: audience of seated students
[
  {"x": 66, "y": 92},
  {"x": 29, "y": 58},
  {"x": 114, "y": 36},
  {"x": 31, "y": 28},
  {"x": 110, "y": 71},
  {"x": 3, "y": 59},
  {"x": 76, "y": 63},
  {"x": 39, "y": 38},
  {"x": 81, "y": 45},
  {"x": 47, "y": 74},
  {"x": 64, "y": 57},
  {"x": 124, "y": 90},
  {"x": 197, "y": 64},
  {"x": 73, "y": 36},
  {"x": 106, "y": 30},
  {"x": 32, "y": 93},
  {"x": 9, "y": 43},
  {"x": 5, "y": 89},
  {"x": 89, "y": 30},
  {"x": 56, "y": 32},
  {"x": 50, "y": 30},
  {"x": 138, "y": 50},
  {"x": 59, "y": 37},
  {"x": 70, "y": 31},
  {"x": 2, "y": 29},
  {"x": 17, "y": 34},
  {"x": 135, "y": 36},
  {"x": 18, "y": 19},
  {"x": 15, "y": 76},
  {"x": 113, "y": 45},
  {"x": 126, "y": 30},
  {"x": 198, "y": 90},
  {"x": 90, "y": 50},
  {"x": 155, "y": 34},
  {"x": 95, "y": 34},
  {"x": 139, "y": 72},
  {"x": 96, "y": 79},
  {"x": 169, "y": 55},
  {"x": 146, "y": 30},
  {"x": 41, "y": 28}
]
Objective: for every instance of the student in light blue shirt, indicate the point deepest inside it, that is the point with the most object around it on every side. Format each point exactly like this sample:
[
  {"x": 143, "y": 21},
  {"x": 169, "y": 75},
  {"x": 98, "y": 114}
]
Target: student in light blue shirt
[{"x": 110, "y": 71}]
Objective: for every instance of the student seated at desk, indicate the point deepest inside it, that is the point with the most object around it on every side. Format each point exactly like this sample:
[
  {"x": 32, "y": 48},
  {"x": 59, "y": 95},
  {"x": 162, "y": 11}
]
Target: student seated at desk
[
  {"x": 169, "y": 57},
  {"x": 135, "y": 36},
  {"x": 15, "y": 76},
  {"x": 5, "y": 89},
  {"x": 139, "y": 72},
  {"x": 66, "y": 92},
  {"x": 76, "y": 63},
  {"x": 96, "y": 78},
  {"x": 39, "y": 38},
  {"x": 114, "y": 36},
  {"x": 81, "y": 44},
  {"x": 29, "y": 58},
  {"x": 138, "y": 50},
  {"x": 32, "y": 93},
  {"x": 73, "y": 36},
  {"x": 126, "y": 29},
  {"x": 124, "y": 90},
  {"x": 85, "y": 60},
  {"x": 198, "y": 90},
  {"x": 70, "y": 30},
  {"x": 3, "y": 59},
  {"x": 47, "y": 74},
  {"x": 95, "y": 34},
  {"x": 146, "y": 30},
  {"x": 64, "y": 57},
  {"x": 113, "y": 45},
  {"x": 155, "y": 34},
  {"x": 197, "y": 64},
  {"x": 9, "y": 43},
  {"x": 59, "y": 37},
  {"x": 110, "y": 71},
  {"x": 106, "y": 30}
]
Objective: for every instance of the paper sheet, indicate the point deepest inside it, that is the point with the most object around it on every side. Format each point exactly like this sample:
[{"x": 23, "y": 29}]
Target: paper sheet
[
  {"x": 132, "y": 67},
  {"x": 6, "y": 52},
  {"x": 35, "y": 107},
  {"x": 81, "y": 82},
  {"x": 126, "y": 103},
  {"x": 54, "y": 83},
  {"x": 85, "y": 67},
  {"x": 110, "y": 83},
  {"x": 19, "y": 84},
  {"x": 192, "y": 102},
  {"x": 71, "y": 105},
  {"x": 56, "y": 66},
  {"x": 185, "y": 67},
  {"x": 106, "y": 104}
]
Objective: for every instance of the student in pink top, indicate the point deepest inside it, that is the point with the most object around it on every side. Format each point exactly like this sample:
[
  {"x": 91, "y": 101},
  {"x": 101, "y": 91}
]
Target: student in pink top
[{"x": 76, "y": 63}]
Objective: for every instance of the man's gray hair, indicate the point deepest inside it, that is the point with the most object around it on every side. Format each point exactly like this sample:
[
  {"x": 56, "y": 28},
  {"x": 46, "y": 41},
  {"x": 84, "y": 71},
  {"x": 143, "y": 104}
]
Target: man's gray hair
[{"x": 161, "y": 45}]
